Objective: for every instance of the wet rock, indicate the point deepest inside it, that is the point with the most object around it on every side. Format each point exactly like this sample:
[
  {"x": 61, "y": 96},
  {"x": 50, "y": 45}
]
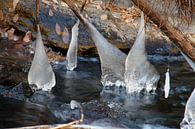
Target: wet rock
[
  {"x": 15, "y": 113},
  {"x": 119, "y": 24},
  {"x": 13, "y": 71},
  {"x": 17, "y": 92}
]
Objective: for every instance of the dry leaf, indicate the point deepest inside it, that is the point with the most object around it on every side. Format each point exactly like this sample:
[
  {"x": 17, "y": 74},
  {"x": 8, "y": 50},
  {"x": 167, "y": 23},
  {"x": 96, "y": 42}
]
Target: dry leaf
[
  {"x": 58, "y": 29},
  {"x": 104, "y": 17},
  {"x": 55, "y": 1},
  {"x": 50, "y": 12},
  {"x": 64, "y": 4},
  {"x": 10, "y": 34},
  {"x": 15, "y": 18},
  {"x": 55, "y": 7},
  {"x": 3, "y": 33},
  {"x": 16, "y": 38},
  {"x": 15, "y": 2},
  {"x": 1, "y": 15},
  {"x": 28, "y": 36},
  {"x": 65, "y": 35}
]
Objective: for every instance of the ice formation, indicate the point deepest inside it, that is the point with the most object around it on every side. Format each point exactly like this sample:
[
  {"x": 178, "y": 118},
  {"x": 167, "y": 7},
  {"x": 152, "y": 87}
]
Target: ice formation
[
  {"x": 190, "y": 62},
  {"x": 167, "y": 84},
  {"x": 111, "y": 58},
  {"x": 188, "y": 121},
  {"x": 41, "y": 73},
  {"x": 74, "y": 104},
  {"x": 139, "y": 73},
  {"x": 72, "y": 50}
]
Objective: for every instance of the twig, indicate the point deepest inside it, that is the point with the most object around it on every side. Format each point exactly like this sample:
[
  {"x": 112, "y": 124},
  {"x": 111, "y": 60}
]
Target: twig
[
  {"x": 37, "y": 11},
  {"x": 71, "y": 123},
  {"x": 83, "y": 6},
  {"x": 74, "y": 9},
  {"x": 57, "y": 126}
]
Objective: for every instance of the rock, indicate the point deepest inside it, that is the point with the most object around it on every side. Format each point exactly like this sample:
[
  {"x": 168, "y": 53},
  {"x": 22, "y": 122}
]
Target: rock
[
  {"x": 124, "y": 18},
  {"x": 15, "y": 113}
]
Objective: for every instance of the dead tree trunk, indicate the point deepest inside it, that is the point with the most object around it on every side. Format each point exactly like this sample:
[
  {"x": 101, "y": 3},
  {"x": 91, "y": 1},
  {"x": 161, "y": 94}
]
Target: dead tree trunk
[{"x": 174, "y": 34}]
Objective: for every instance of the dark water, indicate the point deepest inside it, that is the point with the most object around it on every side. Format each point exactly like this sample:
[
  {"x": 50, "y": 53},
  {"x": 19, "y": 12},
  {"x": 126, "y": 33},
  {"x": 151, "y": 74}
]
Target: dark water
[{"x": 105, "y": 106}]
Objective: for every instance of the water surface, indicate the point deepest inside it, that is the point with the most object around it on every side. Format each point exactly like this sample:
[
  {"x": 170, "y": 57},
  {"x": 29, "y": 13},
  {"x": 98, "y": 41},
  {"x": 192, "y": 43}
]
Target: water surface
[{"x": 110, "y": 106}]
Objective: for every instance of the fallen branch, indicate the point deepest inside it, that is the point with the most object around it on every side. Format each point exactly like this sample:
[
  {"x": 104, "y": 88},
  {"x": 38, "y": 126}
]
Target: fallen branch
[
  {"x": 37, "y": 11},
  {"x": 57, "y": 126},
  {"x": 174, "y": 34}
]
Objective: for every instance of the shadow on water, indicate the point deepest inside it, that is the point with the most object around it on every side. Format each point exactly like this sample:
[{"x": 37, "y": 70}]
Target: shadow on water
[{"x": 107, "y": 105}]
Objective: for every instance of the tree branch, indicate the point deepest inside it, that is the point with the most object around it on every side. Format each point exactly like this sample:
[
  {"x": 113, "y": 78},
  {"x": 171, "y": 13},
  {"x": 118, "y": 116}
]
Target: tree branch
[
  {"x": 74, "y": 8},
  {"x": 174, "y": 34},
  {"x": 37, "y": 11}
]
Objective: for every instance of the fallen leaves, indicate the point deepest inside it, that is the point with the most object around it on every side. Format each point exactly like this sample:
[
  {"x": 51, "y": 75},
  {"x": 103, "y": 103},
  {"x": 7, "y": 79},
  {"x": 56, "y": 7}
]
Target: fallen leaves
[
  {"x": 10, "y": 34},
  {"x": 104, "y": 17},
  {"x": 15, "y": 2},
  {"x": 15, "y": 18},
  {"x": 65, "y": 34},
  {"x": 126, "y": 15},
  {"x": 58, "y": 29},
  {"x": 28, "y": 36}
]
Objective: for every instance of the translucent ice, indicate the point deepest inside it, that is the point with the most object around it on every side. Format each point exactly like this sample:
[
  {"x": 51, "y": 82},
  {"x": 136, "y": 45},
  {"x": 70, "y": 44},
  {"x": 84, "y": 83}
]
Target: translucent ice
[
  {"x": 188, "y": 121},
  {"x": 72, "y": 50},
  {"x": 139, "y": 73},
  {"x": 190, "y": 62},
  {"x": 41, "y": 73},
  {"x": 167, "y": 84},
  {"x": 112, "y": 59},
  {"x": 74, "y": 104}
]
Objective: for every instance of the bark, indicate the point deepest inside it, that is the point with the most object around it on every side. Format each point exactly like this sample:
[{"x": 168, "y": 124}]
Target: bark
[{"x": 174, "y": 34}]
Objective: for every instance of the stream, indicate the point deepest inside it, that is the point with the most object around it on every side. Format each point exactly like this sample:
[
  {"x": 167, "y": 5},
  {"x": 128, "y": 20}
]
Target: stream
[{"x": 102, "y": 106}]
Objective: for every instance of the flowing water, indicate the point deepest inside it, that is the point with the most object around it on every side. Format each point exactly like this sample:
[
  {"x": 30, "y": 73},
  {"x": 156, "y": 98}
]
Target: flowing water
[{"x": 103, "y": 106}]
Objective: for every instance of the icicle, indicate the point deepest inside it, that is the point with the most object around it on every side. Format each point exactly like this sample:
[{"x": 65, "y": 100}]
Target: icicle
[
  {"x": 139, "y": 73},
  {"x": 188, "y": 121},
  {"x": 167, "y": 84},
  {"x": 72, "y": 50},
  {"x": 112, "y": 59},
  {"x": 41, "y": 73},
  {"x": 190, "y": 62}
]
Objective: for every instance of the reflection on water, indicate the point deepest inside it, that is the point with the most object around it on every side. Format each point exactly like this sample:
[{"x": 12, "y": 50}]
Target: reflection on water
[
  {"x": 110, "y": 105},
  {"x": 82, "y": 84}
]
